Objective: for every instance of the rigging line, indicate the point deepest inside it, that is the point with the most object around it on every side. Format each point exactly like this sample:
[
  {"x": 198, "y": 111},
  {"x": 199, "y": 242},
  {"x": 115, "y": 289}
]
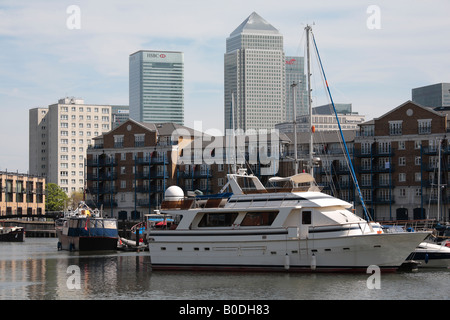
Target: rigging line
[
  {"x": 342, "y": 135},
  {"x": 330, "y": 172}
]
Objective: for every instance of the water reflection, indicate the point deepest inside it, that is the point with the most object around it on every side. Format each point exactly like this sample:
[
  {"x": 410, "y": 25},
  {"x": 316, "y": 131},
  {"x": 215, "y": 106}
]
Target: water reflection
[
  {"x": 36, "y": 270},
  {"x": 29, "y": 273}
]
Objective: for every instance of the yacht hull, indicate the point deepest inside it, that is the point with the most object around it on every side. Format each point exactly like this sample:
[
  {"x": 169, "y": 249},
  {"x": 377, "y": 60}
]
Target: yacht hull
[{"x": 276, "y": 251}]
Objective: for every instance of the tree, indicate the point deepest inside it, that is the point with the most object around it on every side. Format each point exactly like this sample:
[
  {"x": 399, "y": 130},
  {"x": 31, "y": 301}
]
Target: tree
[
  {"x": 75, "y": 198},
  {"x": 56, "y": 198}
]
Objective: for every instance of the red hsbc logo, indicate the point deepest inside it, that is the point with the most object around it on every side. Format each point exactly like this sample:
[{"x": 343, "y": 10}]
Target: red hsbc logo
[
  {"x": 156, "y": 55},
  {"x": 292, "y": 61}
]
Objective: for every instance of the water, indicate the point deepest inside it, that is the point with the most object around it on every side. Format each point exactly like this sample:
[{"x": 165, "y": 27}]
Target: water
[{"x": 35, "y": 270}]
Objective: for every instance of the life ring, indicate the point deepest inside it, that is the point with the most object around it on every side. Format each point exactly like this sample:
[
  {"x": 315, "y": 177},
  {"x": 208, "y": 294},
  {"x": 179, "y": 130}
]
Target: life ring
[{"x": 236, "y": 225}]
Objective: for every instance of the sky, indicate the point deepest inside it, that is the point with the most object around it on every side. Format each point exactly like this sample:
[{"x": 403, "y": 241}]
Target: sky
[{"x": 374, "y": 52}]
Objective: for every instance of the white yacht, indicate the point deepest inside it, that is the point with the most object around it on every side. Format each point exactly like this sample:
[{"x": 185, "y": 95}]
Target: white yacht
[
  {"x": 432, "y": 255},
  {"x": 285, "y": 229}
]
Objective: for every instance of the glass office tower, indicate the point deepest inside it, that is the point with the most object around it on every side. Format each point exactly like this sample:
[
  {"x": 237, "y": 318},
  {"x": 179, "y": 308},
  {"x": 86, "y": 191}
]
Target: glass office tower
[
  {"x": 254, "y": 76},
  {"x": 157, "y": 86},
  {"x": 295, "y": 74}
]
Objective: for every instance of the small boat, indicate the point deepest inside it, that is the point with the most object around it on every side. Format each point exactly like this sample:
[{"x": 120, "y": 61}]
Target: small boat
[
  {"x": 84, "y": 229},
  {"x": 431, "y": 255},
  {"x": 12, "y": 234}
]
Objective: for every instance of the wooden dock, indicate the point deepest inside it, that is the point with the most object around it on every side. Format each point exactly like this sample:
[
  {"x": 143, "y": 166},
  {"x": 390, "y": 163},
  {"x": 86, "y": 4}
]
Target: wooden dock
[{"x": 33, "y": 229}]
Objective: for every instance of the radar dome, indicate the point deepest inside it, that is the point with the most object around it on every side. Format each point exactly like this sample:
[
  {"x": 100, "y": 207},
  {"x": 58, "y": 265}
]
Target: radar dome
[{"x": 174, "y": 193}]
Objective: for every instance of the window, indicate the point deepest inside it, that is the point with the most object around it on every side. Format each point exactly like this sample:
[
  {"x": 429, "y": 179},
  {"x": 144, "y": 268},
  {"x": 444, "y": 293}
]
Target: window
[
  {"x": 139, "y": 140},
  {"x": 417, "y": 161},
  {"x": 365, "y": 147},
  {"x": 402, "y": 177},
  {"x": 259, "y": 218},
  {"x": 402, "y": 192},
  {"x": 424, "y": 126},
  {"x": 366, "y": 179},
  {"x": 417, "y": 176},
  {"x": 402, "y": 161},
  {"x": 384, "y": 147},
  {"x": 306, "y": 217},
  {"x": 395, "y": 127},
  {"x": 401, "y": 145},
  {"x": 218, "y": 219},
  {"x": 384, "y": 179},
  {"x": 118, "y": 141}
]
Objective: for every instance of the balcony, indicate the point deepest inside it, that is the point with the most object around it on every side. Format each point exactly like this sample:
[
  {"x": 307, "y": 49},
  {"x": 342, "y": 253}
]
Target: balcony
[
  {"x": 103, "y": 190},
  {"x": 376, "y": 169},
  {"x": 195, "y": 175},
  {"x": 375, "y": 153},
  {"x": 107, "y": 162},
  {"x": 101, "y": 176},
  {"x": 152, "y": 175},
  {"x": 152, "y": 160}
]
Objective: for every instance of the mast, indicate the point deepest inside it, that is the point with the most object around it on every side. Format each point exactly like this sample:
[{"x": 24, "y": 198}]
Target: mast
[
  {"x": 293, "y": 86},
  {"x": 439, "y": 183},
  {"x": 308, "y": 64}
]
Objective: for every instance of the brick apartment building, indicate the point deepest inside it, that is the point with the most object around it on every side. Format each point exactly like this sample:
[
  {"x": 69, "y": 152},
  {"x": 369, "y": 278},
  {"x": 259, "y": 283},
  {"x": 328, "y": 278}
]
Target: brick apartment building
[
  {"x": 21, "y": 195},
  {"x": 130, "y": 167},
  {"x": 397, "y": 161}
]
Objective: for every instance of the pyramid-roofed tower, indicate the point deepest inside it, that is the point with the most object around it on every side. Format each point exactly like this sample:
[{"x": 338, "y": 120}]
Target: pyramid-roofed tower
[
  {"x": 254, "y": 76},
  {"x": 255, "y": 24}
]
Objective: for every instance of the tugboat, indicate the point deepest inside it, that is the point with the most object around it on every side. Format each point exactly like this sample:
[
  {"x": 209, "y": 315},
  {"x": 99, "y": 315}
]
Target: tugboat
[
  {"x": 84, "y": 229},
  {"x": 12, "y": 234}
]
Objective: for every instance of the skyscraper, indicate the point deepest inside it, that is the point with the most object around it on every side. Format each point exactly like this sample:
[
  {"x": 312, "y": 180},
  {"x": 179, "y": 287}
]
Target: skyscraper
[
  {"x": 156, "y": 83},
  {"x": 295, "y": 74},
  {"x": 254, "y": 76}
]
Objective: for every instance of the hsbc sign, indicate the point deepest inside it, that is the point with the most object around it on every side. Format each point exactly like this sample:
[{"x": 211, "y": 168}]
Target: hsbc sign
[{"x": 156, "y": 55}]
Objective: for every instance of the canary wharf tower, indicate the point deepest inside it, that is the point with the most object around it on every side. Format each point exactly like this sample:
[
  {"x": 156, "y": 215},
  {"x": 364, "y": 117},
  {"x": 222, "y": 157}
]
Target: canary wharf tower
[
  {"x": 254, "y": 76},
  {"x": 157, "y": 86}
]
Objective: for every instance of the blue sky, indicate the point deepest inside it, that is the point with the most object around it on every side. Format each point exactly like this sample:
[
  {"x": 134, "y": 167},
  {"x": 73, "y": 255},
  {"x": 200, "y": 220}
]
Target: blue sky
[{"x": 42, "y": 60}]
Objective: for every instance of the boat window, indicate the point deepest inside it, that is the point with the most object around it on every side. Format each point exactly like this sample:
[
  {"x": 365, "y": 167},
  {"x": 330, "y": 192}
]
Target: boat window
[
  {"x": 218, "y": 219},
  {"x": 109, "y": 224},
  {"x": 306, "y": 217},
  {"x": 259, "y": 218}
]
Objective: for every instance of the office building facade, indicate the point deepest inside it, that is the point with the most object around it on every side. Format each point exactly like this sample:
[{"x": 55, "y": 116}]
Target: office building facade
[
  {"x": 58, "y": 139},
  {"x": 295, "y": 74},
  {"x": 156, "y": 84},
  {"x": 254, "y": 76},
  {"x": 434, "y": 96}
]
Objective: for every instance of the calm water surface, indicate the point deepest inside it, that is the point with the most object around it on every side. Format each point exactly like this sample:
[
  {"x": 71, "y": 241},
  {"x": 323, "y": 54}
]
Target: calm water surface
[{"x": 35, "y": 270}]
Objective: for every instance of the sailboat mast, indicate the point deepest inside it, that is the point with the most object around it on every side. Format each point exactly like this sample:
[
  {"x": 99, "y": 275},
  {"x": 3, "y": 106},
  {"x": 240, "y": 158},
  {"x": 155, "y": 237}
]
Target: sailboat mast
[
  {"x": 293, "y": 86},
  {"x": 438, "y": 216},
  {"x": 308, "y": 64}
]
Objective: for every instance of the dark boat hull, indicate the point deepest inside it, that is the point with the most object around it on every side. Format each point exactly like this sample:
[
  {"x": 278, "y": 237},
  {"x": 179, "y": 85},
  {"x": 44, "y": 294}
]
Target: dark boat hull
[
  {"x": 13, "y": 236},
  {"x": 86, "y": 243}
]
